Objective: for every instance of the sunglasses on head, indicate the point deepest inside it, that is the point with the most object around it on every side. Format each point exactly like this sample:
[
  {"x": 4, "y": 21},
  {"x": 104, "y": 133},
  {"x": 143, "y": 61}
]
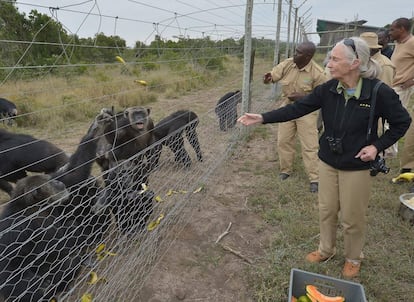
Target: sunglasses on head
[{"x": 351, "y": 43}]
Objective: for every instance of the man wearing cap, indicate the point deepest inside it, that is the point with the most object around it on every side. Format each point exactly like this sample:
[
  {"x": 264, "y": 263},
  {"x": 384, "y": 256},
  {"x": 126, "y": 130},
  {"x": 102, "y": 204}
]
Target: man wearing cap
[{"x": 386, "y": 75}]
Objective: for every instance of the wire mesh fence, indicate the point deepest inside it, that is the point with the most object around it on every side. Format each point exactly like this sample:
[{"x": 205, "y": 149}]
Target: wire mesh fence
[
  {"x": 99, "y": 236},
  {"x": 91, "y": 225}
]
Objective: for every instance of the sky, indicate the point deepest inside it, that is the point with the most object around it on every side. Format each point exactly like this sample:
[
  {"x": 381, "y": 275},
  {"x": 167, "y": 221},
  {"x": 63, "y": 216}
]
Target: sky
[{"x": 141, "y": 20}]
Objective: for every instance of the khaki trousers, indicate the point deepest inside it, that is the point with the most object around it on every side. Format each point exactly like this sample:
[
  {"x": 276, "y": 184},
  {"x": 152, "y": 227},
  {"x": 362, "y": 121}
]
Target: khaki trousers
[
  {"x": 345, "y": 193},
  {"x": 305, "y": 128},
  {"x": 405, "y": 95},
  {"x": 407, "y": 153}
]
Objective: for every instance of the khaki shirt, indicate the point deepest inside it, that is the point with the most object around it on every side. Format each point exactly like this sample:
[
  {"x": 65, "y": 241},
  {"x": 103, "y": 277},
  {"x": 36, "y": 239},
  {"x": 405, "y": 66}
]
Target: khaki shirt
[
  {"x": 403, "y": 60},
  {"x": 293, "y": 79},
  {"x": 388, "y": 69}
]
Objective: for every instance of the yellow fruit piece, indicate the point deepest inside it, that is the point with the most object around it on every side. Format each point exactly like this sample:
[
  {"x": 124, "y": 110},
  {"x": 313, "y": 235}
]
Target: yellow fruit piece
[
  {"x": 409, "y": 176},
  {"x": 119, "y": 59},
  {"x": 158, "y": 199},
  {"x": 142, "y": 82},
  {"x": 93, "y": 278},
  {"x": 86, "y": 298},
  {"x": 101, "y": 252},
  {"x": 153, "y": 224},
  {"x": 100, "y": 248},
  {"x": 171, "y": 192},
  {"x": 311, "y": 299},
  {"x": 304, "y": 298},
  {"x": 316, "y": 296},
  {"x": 198, "y": 190}
]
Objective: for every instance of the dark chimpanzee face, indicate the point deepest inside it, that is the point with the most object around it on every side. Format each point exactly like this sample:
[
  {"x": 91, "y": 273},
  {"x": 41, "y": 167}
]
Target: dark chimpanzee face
[
  {"x": 37, "y": 190},
  {"x": 138, "y": 117}
]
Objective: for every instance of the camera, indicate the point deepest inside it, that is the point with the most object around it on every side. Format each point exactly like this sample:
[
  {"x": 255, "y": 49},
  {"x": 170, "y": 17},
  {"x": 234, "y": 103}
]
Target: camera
[
  {"x": 378, "y": 165},
  {"x": 335, "y": 144}
]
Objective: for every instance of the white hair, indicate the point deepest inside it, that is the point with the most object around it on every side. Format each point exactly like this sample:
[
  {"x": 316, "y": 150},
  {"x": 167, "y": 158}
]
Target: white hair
[
  {"x": 368, "y": 68},
  {"x": 327, "y": 58}
]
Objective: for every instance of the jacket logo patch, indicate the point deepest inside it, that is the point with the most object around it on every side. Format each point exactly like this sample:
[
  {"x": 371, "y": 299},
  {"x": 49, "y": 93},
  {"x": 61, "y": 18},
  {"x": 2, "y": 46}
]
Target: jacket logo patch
[{"x": 364, "y": 105}]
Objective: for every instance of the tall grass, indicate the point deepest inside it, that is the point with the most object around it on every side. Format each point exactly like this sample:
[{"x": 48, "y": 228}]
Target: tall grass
[{"x": 53, "y": 101}]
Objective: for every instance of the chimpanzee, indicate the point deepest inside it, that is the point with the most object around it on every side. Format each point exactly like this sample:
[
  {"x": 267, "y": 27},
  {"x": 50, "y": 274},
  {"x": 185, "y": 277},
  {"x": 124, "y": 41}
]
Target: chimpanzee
[
  {"x": 20, "y": 153},
  {"x": 169, "y": 132},
  {"x": 45, "y": 231},
  {"x": 127, "y": 196},
  {"x": 127, "y": 165},
  {"x": 8, "y": 111},
  {"x": 129, "y": 132},
  {"x": 226, "y": 109}
]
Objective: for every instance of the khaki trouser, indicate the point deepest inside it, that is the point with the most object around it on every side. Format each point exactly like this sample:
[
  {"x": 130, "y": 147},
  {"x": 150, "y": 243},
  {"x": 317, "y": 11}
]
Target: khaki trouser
[
  {"x": 407, "y": 153},
  {"x": 405, "y": 95},
  {"x": 347, "y": 193},
  {"x": 305, "y": 128}
]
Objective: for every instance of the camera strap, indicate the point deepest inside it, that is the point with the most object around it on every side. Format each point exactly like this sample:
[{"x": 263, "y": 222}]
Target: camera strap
[{"x": 372, "y": 110}]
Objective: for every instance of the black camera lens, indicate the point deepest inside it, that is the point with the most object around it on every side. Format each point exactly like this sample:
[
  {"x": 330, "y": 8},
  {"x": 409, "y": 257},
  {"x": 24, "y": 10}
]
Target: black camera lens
[
  {"x": 335, "y": 144},
  {"x": 377, "y": 166}
]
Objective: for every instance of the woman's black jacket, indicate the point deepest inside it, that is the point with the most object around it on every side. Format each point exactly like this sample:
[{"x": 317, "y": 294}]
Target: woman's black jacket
[{"x": 349, "y": 123}]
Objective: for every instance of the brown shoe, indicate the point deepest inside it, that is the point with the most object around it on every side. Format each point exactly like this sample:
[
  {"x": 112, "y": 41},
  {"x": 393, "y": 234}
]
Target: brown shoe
[
  {"x": 351, "y": 269},
  {"x": 316, "y": 257}
]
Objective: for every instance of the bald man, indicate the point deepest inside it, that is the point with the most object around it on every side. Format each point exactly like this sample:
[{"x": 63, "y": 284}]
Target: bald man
[{"x": 298, "y": 77}]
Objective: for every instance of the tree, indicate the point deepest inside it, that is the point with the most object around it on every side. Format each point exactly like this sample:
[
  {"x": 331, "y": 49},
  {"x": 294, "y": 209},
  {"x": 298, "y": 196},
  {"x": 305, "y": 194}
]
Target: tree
[
  {"x": 13, "y": 27},
  {"x": 52, "y": 35}
]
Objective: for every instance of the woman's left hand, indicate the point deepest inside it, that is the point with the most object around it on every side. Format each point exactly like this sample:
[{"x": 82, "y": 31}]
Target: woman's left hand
[
  {"x": 368, "y": 153},
  {"x": 250, "y": 119}
]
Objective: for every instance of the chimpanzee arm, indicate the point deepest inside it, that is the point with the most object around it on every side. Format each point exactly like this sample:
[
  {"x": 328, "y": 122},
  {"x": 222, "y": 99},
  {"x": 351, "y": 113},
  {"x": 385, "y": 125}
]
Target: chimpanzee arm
[{"x": 80, "y": 163}]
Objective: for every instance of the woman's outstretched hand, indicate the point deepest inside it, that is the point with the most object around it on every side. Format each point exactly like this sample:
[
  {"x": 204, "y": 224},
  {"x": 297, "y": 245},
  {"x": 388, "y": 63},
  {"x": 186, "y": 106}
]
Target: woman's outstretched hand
[{"x": 250, "y": 119}]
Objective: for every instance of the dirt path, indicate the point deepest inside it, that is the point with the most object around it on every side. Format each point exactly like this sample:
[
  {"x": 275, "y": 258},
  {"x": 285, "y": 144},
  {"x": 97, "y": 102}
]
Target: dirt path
[{"x": 195, "y": 267}]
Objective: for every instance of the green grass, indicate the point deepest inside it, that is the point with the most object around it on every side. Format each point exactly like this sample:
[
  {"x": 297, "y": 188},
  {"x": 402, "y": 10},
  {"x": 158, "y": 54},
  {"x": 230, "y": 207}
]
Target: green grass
[{"x": 388, "y": 268}]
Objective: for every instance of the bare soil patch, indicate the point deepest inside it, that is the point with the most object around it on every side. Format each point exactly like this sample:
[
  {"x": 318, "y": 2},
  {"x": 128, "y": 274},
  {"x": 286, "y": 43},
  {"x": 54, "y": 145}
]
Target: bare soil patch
[{"x": 196, "y": 268}]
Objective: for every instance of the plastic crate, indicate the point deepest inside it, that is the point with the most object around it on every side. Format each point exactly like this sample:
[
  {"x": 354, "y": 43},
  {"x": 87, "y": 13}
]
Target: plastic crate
[{"x": 353, "y": 292}]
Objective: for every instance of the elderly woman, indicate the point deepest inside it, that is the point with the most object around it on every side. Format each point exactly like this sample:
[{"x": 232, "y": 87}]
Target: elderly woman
[{"x": 349, "y": 145}]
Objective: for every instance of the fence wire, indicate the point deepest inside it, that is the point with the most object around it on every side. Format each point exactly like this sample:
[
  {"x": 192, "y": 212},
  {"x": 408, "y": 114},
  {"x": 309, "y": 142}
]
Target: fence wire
[{"x": 100, "y": 238}]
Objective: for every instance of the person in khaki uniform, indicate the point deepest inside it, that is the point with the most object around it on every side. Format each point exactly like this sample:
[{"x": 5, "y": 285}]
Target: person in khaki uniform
[
  {"x": 388, "y": 69},
  {"x": 299, "y": 76},
  {"x": 403, "y": 84},
  {"x": 386, "y": 75},
  {"x": 403, "y": 59}
]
